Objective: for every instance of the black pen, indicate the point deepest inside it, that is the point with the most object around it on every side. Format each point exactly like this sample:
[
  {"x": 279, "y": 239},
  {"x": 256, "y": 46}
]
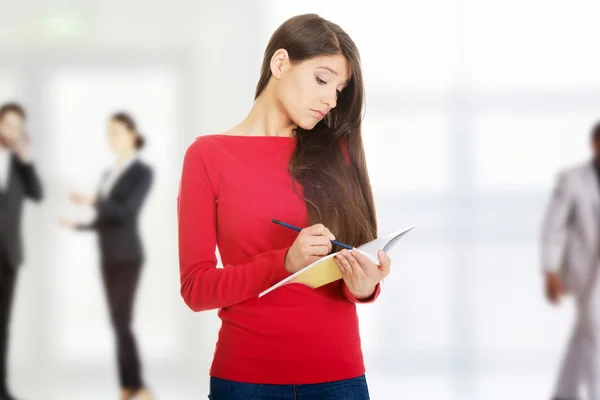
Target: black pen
[{"x": 345, "y": 246}]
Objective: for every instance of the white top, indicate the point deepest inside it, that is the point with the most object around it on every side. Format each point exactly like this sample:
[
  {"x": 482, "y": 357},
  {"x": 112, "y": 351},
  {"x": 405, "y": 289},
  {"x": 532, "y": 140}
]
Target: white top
[
  {"x": 113, "y": 176},
  {"x": 5, "y": 156}
]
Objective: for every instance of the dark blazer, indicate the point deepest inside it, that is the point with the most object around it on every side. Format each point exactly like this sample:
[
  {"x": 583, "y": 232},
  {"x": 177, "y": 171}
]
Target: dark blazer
[
  {"x": 117, "y": 216},
  {"x": 23, "y": 182}
]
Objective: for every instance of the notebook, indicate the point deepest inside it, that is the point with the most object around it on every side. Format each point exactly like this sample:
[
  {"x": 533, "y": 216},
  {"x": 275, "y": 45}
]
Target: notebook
[{"x": 325, "y": 270}]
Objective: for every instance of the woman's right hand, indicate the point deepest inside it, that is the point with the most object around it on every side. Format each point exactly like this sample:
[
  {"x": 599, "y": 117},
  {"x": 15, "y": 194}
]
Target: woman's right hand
[{"x": 311, "y": 244}]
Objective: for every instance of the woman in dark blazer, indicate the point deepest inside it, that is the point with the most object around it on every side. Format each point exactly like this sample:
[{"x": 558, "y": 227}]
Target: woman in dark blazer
[{"x": 121, "y": 195}]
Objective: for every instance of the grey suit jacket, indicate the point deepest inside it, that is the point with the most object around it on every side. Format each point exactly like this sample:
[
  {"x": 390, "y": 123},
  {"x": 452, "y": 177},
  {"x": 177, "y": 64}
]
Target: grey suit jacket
[{"x": 571, "y": 228}]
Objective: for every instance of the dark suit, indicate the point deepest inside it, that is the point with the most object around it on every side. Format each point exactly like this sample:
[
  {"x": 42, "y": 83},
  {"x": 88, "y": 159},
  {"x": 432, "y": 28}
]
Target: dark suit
[
  {"x": 23, "y": 182},
  {"x": 116, "y": 219},
  {"x": 122, "y": 255}
]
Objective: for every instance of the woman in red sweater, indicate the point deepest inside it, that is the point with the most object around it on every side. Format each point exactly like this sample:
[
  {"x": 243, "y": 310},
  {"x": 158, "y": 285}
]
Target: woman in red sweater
[{"x": 298, "y": 157}]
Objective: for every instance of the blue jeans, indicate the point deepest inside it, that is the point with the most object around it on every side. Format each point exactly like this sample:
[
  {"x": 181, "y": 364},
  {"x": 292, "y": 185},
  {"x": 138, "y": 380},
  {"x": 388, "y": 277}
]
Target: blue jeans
[{"x": 348, "y": 389}]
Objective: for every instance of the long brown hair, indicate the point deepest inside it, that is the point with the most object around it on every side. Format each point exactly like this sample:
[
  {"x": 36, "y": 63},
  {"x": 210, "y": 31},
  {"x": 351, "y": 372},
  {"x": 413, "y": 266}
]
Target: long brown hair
[{"x": 329, "y": 160}]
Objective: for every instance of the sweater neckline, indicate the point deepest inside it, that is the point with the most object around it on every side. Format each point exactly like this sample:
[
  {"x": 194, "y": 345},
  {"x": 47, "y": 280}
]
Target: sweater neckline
[{"x": 256, "y": 137}]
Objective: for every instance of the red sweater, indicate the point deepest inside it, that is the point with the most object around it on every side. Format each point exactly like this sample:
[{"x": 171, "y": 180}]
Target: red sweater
[{"x": 231, "y": 187}]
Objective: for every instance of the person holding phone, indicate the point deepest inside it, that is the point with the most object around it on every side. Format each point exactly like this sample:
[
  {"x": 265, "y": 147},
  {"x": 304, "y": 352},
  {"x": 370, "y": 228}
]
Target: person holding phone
[{"x": 18, "y": 181}]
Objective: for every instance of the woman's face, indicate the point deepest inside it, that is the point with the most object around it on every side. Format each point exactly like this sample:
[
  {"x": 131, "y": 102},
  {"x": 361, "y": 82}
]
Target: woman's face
[
  {"x": 308, "y": 90},
  {"x": 120, "y": 139}
]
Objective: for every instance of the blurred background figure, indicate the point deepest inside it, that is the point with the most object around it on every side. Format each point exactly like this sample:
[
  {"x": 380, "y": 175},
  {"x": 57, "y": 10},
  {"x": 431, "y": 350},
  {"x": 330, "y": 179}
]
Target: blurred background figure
[
  {"x": 122, "y": 193},
  {"x": 570, "y": 257},
  {"x": 18, "y": 181}
]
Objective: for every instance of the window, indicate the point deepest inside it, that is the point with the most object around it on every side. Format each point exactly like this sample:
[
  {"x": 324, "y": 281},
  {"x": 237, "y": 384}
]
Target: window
[
  {"x": 407, "y": 152},
  {"x": 519, "y": 152},
  {"x": 533, "y": 45}
]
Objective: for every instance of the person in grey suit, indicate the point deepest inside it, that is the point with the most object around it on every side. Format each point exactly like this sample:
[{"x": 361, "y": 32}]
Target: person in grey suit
[
  {"x": 570, "y": 258},
  {"x": 18, "y": 181}
]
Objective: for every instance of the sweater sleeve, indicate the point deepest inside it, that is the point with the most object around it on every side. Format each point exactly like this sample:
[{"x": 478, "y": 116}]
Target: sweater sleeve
[
  {"x": 369, "y": 299},
  {"x": 203, "y": 285}
]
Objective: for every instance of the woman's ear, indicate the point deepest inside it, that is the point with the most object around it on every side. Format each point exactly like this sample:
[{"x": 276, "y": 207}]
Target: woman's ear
[{"x": 279, "y": 63}]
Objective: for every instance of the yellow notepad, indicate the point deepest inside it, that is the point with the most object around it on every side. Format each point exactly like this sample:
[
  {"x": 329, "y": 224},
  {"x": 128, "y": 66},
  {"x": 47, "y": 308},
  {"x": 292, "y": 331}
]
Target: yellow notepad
[{"x": 325, "y": 270}]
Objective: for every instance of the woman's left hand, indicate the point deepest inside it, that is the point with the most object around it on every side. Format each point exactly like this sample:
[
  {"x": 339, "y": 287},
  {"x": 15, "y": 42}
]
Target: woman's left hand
[{"x": 360, "y": 274}]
